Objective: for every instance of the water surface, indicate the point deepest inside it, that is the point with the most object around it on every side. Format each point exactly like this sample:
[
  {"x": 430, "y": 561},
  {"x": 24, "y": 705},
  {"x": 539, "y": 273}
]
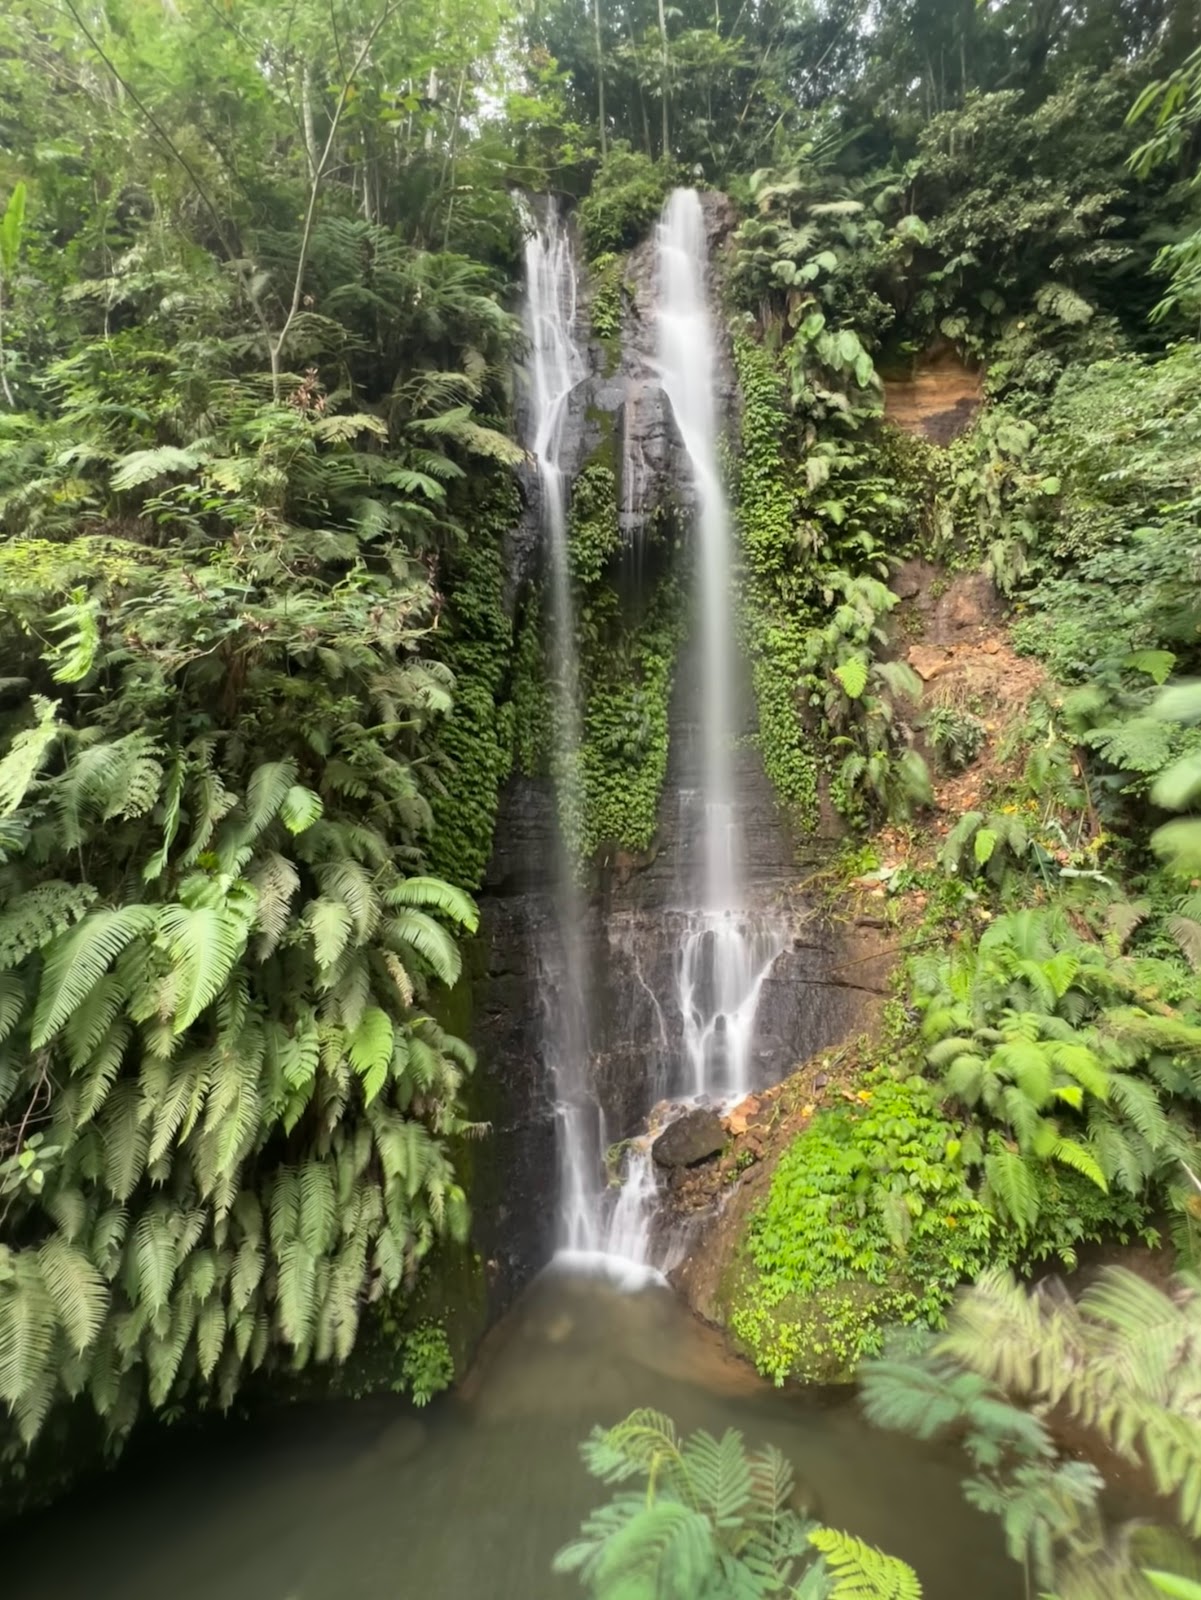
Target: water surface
[{"x": 469, "y": 1501}]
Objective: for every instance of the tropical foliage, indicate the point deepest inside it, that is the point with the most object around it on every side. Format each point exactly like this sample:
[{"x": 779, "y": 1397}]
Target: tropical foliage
[
  {"x": 713, "y": 1520},
  {"x": 1118, "y": 1365}
]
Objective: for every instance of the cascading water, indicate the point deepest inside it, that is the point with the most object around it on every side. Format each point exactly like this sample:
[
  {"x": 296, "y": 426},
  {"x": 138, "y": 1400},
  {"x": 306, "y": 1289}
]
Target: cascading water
[
  {"x": 555, "y": 368},
  {"x": 726, "y": 953}
]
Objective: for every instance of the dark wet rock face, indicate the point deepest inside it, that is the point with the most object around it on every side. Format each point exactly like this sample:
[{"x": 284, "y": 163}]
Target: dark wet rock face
[{"x": 692, "y": 1137}]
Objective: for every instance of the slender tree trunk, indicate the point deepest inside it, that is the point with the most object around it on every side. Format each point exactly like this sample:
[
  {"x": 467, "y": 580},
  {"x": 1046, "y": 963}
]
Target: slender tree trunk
[
  {"x": 666, "y": 67},
  {"x": 8, "y": 394},
  {"x": 600, "y": 78},
  {"x": 637, "y": 60},
  {"x": 449, "y": 164},
  {"x": 311, "y": 147}
]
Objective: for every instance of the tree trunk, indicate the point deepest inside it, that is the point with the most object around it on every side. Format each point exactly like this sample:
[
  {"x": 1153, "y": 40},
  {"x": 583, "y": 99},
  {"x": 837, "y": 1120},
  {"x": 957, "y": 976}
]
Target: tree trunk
[
  {"x": 666, "y": 68},
  {"x": 8, "y": 394},
  {"x": 449, "y": 166},
  {"x": 311, "y": 148},
  {"x": 637, "y": 60},
  {"x": 600, "y": 79}
]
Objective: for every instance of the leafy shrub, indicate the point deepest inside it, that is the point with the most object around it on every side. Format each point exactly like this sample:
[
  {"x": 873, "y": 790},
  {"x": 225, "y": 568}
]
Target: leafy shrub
[
  {"x": 1045, "y": 1034},
  {"x": 871, "y": 1219},
  {"x": 713, "y": 1520},
  {"x": 626, "y": 196},
  {"x": 607, "y": 293},
  {"x": 426, "y": 1366}
]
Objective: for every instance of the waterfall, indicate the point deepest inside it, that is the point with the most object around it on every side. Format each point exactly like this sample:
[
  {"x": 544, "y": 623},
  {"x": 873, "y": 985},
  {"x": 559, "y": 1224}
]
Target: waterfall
[
  {"x": 726, "y": 952},
  {"x": 555, "y": 367},
  {"x": 688, "y": 373}
]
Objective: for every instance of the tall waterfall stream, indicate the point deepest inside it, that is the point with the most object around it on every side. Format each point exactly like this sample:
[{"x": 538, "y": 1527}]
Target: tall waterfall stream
[{"x": 726, "y": 951}]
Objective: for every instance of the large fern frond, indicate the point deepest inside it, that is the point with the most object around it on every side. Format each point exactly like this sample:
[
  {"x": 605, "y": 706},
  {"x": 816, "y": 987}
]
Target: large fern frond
[
  {"x": 76, "y": 962},
  {"x": 861, "y": 1572}
]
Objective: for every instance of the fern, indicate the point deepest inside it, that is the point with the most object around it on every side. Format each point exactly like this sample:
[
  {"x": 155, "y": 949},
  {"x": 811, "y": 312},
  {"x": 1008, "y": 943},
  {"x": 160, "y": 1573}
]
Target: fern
[
  {"x": 861, "y": 1572},
  {"x": 330, "y": 925},
  {"x": 1057, "y": 300},
  {"x": 1013, "y": 1188},
  {"x": 78, "y": 1291},
  {"x": 711, "y": 1515},
  {"x": 414, "y": 931},
  {"x": 76, "y": 962},
  {"x": 205, "y": 942},
  {"x": 435, "y": 895},
  {"x": 43, "y": 912},
  {"x": 140, "y": 467},
  {"x": 27, "y": 753},
  {"x": 370, "y": 1050},
  {"x": 852, "y": 674}
]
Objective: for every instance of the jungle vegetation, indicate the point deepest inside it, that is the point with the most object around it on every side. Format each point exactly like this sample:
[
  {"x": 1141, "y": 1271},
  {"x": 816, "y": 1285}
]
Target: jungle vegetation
[{"x": 263, "y": 678}]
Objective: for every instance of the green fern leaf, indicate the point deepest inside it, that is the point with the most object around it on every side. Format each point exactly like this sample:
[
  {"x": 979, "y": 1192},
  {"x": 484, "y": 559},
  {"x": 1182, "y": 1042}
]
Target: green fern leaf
[
  {"x": 330, "y": 925},
  {"x": 143, "y": 466},
  {"x": 862, "y": 1572},
  {"x": 300, "y": 809},
  {"x": 210, "y": 1336},
  {"x": 275, "y": 881},
  {"x": 154, "y": 1257},
  {"x": 76, "y": 962},
  {"x": 205, "y": 943},
  {"x": 852, "y": 674},
  {"x": 27, "y": 1328},
  {"x": 1071, "y": 1153},
  {"x": 38, "y": 915},
  {"x": 266, "y": 793},
  {"x": 13, "y": 998},
  {"x": 79, "y": 1293},
  {"x": 1012, "y": 1187},
  {"x": 318, "y": 1217},
  {"x": 157, "y": 864},
  {"x": 27, "y": 753},
  {"x": 432, "y": 894},
  {"x": 370, "y": 1050},
  {"x": 413, "y": 930}
]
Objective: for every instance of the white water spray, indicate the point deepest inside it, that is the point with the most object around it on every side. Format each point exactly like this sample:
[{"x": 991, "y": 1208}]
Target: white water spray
[
  {"x": 555, "y": 368},
  {"x": 726, "y": 954}
]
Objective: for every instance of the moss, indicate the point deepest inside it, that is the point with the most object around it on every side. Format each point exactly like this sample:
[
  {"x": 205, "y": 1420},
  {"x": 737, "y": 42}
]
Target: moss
[
  {"x": 629, "y": 635},
  {"x": 775, "y": 631},
  {"x": 476, "y": 739}
]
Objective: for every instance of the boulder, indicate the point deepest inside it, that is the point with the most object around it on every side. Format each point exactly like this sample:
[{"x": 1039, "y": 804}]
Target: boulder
[{"x": 694, "y": 1137}]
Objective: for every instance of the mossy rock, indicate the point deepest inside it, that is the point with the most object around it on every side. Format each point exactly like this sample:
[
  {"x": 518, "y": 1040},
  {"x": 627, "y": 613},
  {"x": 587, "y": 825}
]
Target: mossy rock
[{"x": 819, "y": 1338}]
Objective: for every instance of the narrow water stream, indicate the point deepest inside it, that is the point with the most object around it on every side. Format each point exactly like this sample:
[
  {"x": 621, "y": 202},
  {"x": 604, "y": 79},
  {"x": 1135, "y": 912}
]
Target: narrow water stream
[{"x": 470, "y": 1500}]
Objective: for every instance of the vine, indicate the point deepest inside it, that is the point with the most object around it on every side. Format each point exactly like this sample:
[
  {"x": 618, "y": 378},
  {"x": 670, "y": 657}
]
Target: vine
[{"x": 607, "y": 295}]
